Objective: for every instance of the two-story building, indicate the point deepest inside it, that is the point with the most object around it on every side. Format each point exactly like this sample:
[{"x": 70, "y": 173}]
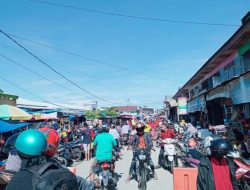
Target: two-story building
[
  {"x": 7, "y": 99},
  {"x": 220, "y": 89}
]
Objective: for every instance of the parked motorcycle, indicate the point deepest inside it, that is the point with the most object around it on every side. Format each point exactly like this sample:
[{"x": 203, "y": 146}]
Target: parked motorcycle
[
  {"x": 169, "y": 158},
  {"x": 70, "y": 151},
  {"x": 142, "y": 170},
  {"x": 242, "y": 172}
]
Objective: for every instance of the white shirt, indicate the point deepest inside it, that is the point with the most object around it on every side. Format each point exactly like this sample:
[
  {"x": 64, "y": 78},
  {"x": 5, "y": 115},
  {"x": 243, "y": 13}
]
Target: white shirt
[
  {"x": 125, "y": 129},
  {"x": 114, "y": 133}
]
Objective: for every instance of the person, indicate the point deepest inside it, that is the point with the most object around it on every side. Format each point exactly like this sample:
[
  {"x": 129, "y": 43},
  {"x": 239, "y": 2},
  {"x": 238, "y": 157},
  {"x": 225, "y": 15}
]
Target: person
[
  {"x": 104, "y": 144},
  {"x": 147, "y": 128},
  {"x": 165, "y": 133},
  {"x": 216, "y": 172},
  {"x": 36, "y": 149},
  {"x": 113, "y": 131},
  {"x": 141, "y": 140},
  {"x": 86, "y": 140},
  {"x": 125, "y": 133},
  {"x": 125, "y": 129}
]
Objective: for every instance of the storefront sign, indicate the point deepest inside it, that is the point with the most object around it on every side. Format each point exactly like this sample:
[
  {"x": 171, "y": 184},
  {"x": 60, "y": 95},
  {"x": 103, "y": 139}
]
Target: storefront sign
[
  {"x": 197, "y": 104},
  {"x": 182, "y": 106}
]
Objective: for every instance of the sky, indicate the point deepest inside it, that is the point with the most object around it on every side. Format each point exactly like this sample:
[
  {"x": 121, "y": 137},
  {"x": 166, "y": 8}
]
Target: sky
[{"x": 118, "y": 60}]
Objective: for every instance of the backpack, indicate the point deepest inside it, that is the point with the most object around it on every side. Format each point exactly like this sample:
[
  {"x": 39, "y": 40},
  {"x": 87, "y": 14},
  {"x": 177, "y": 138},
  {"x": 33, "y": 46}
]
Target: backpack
[{"x": 50, "y": 176}]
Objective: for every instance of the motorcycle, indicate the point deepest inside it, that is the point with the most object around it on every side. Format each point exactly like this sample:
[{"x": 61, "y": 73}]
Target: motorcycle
[
  {"x": 104, "y": 172},
  {"x": 142, "y": 170},
  {"x": 242, "y": 172},
  {"x": 70, "y": 151},
  {"x": 169, "y": 157},
  {"x": 5, "y": 177}
]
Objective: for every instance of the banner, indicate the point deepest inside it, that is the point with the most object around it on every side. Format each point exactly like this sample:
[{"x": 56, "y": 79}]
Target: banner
[{"x": 182, "y": 106}]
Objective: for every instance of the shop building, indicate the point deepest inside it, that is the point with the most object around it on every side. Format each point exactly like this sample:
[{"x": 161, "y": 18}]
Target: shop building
[{"x": 220, "y": 90}]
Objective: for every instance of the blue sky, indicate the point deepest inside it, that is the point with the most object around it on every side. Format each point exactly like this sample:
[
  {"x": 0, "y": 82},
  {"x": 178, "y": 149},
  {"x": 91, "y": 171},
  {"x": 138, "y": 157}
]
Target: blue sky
[{"x": 166, "y": 50}]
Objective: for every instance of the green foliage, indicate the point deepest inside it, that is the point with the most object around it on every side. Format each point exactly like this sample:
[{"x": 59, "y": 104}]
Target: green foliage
[
  {"x": 90, "y": 115},
  {"x": 108, "y": 112}
]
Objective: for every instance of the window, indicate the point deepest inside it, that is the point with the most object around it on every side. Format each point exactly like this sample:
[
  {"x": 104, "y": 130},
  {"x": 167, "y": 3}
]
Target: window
[
  {"x": 246, "y": 60},
  {"x": 216, "y": 79}
]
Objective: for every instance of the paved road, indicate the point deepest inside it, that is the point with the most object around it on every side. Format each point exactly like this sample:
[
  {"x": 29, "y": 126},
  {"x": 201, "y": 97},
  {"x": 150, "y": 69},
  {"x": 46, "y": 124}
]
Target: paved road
[{"x": 165, "y": 179}]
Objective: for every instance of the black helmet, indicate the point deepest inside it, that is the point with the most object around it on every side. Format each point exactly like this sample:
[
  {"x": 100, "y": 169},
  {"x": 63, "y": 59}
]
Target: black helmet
[
  {"x": 220, "y": 147},
  {"x": 104, "y": 128},
  {"x": 140, "y": 127}
]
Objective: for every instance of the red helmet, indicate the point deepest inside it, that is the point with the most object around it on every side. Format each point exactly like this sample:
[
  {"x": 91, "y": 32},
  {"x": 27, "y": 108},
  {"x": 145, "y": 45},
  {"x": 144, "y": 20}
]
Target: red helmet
[
  {"x": 52, "y": 141},
  {"x": 192, "y": 143}
]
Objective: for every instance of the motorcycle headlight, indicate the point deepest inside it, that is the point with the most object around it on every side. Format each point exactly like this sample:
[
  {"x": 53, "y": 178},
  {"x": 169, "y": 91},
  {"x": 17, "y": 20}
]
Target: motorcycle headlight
[{"x": 142, "y": 157}]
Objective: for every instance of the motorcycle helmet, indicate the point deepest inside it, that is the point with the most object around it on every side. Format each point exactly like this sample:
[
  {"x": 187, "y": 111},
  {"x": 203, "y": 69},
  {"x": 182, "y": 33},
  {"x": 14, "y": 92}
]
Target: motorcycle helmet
[
  {"x": 192, "y": 143},
  {"x": 220, "y": 147},
  {"x": 52, "y": 141},
  {"x": 140, "y": 128},
  {"x": 104, "y": 128},
  {"x": 31, "y": 143},
  {"x": 207, "y": 143}
]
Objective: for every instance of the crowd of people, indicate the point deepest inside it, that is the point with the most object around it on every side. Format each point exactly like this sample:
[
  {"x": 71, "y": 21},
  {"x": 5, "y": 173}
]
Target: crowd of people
[{"x": 35, "y": 150}]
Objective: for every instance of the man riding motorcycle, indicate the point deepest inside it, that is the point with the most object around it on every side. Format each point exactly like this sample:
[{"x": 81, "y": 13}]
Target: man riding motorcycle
[
  {"x": 38, "y": 152},
  {"x": 141, "y": 140},
  {"x": 165, "y": 133},
  {"x": 104, "y": 143}
]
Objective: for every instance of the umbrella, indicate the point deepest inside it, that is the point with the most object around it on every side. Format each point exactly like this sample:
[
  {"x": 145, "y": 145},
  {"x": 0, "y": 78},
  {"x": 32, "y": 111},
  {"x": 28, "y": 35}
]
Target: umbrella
[{"x": 8, "y": 112}]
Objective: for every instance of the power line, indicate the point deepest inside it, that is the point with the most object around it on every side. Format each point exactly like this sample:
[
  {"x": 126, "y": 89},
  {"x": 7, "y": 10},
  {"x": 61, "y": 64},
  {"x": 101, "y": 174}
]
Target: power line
[
  {"x": 30, "y": 93},
  {"x": 95, "y": 60},
  {"x": 134, "y": 17},
  {"x": 36, "y": 73},
  {"x": 76, "y": 72},
  {"x": 73, "y": 72},
  {"x": 51, "y": 68}
]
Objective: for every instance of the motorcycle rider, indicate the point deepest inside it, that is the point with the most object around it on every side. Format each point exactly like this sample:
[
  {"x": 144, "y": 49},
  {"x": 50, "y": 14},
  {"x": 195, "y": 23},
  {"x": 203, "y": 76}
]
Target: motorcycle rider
[
  {"x": 216, "y": 171},
  {"x": 165, "y": 133},
  {"x": 104, "y": 143},
  {"x": 45, "y": 150},
  {"x": 141, "y": 140},
  {"x": 126, "y": 130}
]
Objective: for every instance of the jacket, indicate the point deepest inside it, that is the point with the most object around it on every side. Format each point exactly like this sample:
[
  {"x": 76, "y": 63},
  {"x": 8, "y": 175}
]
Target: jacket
[
  {"x": 136, "y": 140},
  {"x": 205, "y": 178}
]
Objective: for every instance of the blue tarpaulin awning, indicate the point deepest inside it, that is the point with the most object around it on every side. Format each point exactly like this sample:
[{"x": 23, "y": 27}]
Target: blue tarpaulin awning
[{"x": 7, "y": 126}]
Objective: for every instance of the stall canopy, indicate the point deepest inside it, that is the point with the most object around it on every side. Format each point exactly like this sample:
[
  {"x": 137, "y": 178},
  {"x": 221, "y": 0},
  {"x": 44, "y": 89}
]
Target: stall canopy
[
  {"x": 8, "y": 112},
  {"x": 7, "y": 126}
]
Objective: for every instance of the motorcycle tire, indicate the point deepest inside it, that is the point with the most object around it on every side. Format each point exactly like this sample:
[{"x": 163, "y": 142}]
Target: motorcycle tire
[
  {"x": 171, "y": 167},
  {"x": 143, "y": 180},
  {"x": 77, "y": 154}
]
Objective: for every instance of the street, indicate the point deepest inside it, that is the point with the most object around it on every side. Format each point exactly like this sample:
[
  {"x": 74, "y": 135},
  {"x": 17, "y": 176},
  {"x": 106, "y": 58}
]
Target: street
[{"x": 165, "y": 179}]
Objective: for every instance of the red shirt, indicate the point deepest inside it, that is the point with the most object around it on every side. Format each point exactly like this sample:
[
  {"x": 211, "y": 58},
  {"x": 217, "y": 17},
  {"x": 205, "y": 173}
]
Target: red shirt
[
  {"x": 142, "y": 143},
  {"x": 222, "y": 178},
  {"x": 169, "y": 133}
]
